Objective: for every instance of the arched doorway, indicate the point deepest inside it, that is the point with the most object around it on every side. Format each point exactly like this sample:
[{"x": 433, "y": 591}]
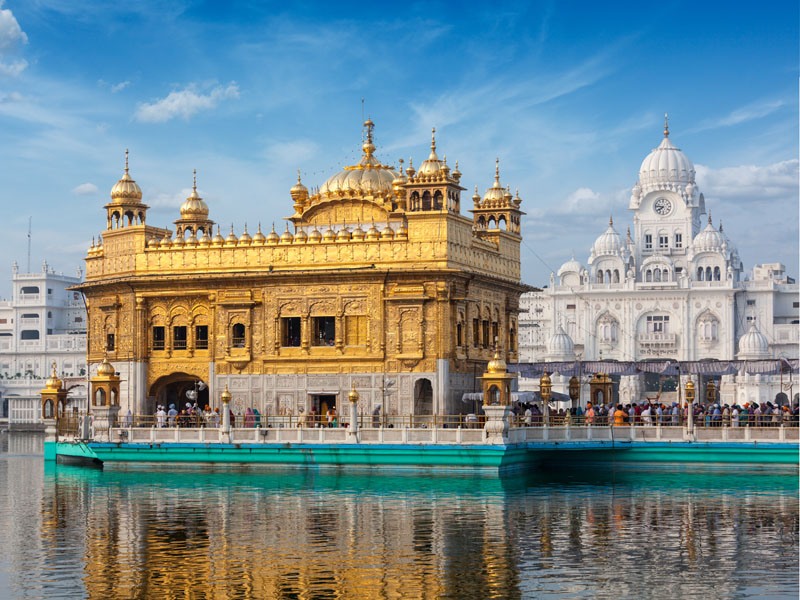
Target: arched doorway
[
  {"x": 171, "y": 389},
  {"x": 423, "y": 397}
]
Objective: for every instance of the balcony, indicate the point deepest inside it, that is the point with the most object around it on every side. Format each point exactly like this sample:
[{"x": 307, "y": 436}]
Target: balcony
[{"x": 657, "y": 339}]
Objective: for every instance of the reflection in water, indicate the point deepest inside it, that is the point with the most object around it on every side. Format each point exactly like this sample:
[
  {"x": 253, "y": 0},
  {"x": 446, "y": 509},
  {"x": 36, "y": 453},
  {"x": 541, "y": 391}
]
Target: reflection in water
[{"x": 217, "y": 533}]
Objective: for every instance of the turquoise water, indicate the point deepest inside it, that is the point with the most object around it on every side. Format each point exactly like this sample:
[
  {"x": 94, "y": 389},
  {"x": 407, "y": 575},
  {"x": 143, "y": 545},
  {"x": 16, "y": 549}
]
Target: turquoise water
[{"x": 600, "y": 532}]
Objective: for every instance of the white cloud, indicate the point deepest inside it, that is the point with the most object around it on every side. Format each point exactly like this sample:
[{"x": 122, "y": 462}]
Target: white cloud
[
  {"x": 11, "y": 35},
  {"x": 743, "y": 114},
  {"x": 167, "y": 200},
  {"x": 118, "y": 87},
  {"x": 85, "y": 189},
  {"x": 750, "y": 183},
  {"x": 10, "y": 31},
  {"x": 184, "y": 103}
]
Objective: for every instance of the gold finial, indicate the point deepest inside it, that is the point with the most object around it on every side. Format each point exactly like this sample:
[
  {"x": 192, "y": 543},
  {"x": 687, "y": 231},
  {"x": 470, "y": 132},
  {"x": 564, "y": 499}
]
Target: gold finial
[
  {"x": 611, "y": 220},
  {"x": 433, "y": 139},
  {"x": 369, "y": 125},
  {"x": 497, "y": 170},
  {"x": 126, "y": 161},
  {"x": 298, "y": 176},
  {"x": 666, "y": 125}
]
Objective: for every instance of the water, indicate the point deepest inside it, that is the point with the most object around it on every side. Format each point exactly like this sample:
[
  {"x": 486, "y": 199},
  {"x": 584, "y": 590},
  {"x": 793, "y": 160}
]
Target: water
[{"x": 68, "y": 532}]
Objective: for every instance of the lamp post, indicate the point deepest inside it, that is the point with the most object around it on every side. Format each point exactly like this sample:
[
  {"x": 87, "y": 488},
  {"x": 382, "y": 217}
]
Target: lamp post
[
  {"x": 545, "y": 387},
  {"x": 226, "y": 413},
  {"x": 689, "y": 402},
  {"x": 574, "y": 390},
  {"x": 353, "y": 398}
]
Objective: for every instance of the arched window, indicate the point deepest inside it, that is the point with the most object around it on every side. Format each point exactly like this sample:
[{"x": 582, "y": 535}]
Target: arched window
[
  {"x": 616, "y": 275},
  {"x": 426, "y": 201},
  {"x": 648, "y": 276},
  {"x": 414, "y": 201},
  {"x": 29, "y": 334},
  {"x": 599, "y": 276},
  {"x": 237, "y": 335},
  {"x": 716, "y": 274},
  {"x": 708, "y": 273},
  {"x": 700, "y": 272},
  {"x": 437, "y": 200},
  {"x": 100, "y": 397},
  {"x": 665, "y": 275},
  {"x": 657, "y": 275},
  {"x": 608, "y": 275}
]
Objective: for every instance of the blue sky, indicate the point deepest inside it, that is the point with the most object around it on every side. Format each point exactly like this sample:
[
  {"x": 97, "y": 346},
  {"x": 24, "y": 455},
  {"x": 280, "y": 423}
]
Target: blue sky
[{"x": 569, "y": 95}]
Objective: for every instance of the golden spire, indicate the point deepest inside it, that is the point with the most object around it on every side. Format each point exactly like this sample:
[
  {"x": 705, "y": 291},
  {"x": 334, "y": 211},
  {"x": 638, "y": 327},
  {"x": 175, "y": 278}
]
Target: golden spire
[
  {"x": 126, "y": 161},
  {"x": 611, "y": 220},
  {"x": 433, "y": 140},
  {"x": 194, "y": 182},
  {"x": 497, "y": 172},
  {"x": 666, "y": 125}
]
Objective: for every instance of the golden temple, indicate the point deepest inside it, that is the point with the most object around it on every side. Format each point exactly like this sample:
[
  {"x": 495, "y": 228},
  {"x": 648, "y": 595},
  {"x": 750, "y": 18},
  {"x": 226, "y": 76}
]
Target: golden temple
[{"x": 378, "y": 282}]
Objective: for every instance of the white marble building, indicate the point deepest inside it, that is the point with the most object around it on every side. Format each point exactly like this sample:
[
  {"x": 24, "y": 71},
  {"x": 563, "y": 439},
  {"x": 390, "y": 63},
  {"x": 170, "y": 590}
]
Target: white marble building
[
  {"x": 44, "y": 322},
  {"x": 671, "y": 287}
]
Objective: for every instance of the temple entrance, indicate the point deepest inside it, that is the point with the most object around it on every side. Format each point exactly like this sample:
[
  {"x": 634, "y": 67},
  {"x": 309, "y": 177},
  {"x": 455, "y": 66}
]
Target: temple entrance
[
  {"x": 320, "y": 405},
  {"x": 172, "y": 389},
  {"x": 423, "y": 397}
]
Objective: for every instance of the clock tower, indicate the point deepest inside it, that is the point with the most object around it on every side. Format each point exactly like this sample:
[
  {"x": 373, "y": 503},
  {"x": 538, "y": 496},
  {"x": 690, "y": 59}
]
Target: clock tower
[{"x": 666, "y": 205}]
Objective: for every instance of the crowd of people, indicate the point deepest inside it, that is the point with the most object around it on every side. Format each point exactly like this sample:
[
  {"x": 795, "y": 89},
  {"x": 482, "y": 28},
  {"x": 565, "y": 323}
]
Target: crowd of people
[{"x": 751, "y": 414}]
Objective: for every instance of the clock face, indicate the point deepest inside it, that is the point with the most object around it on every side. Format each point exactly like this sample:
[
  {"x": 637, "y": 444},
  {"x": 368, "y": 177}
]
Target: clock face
[{"x": 662, "y": 206}]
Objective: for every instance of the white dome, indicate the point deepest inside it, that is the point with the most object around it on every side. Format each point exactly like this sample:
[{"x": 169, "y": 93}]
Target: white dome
[
  {"x": 571, "y": 266},
  {"x": 560, "y": 346},
  {"x": 609, "y": 242},
  {"x": 666, "y": 167},
  {"x": 753, "y": 345},
  {"x": 708, "y": 240}
]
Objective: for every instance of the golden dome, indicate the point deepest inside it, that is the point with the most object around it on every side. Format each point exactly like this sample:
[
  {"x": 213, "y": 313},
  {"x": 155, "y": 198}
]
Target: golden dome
[
  {"x": 273, "y": 237},
  {"x": 226, "y": 395},
  {"x": 402, "y": 231},
  {"x": 358, "y": 233},
  {"x": 106, "y": 369},
  {"x": 299, "y": 192},
  {"x": 387, "y": 233},
  {"x": 217, "y": 240},
  {"x": 245, "y": 240},
  {"x": 432, "y": 165},
  {"x": 53, "y": 382},
  {"x": 286, "y": 236},
  {"x": 343, "y": 235},
  {"x": 231, "y": 240},
  {"x": 166, "y": 242},
  {"x": 259, "y": 237},
  {"x": 194, "y": 206},
  {"x": 301, "y": 237},
  {"x": 205, "y": 239},
  {"x": 329, "y": 235},
  {"x": 179, "y": 241},
  {"x": 315, "y": 235},
  {"x": 373, "y": 233},
  {"x": 497, "y": 364},
  {"x": 191, "y": 240},
  {"x": 368, "y": 178},
  {"x": 151, "y": 243},
  {"x": 126, "y": 189},
  {"x": 495, "y": 195}
]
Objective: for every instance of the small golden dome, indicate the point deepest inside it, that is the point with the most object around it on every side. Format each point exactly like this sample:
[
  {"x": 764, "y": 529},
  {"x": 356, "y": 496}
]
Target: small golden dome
[
  {"x": 273, "y": 237},
  {"x": 194, "y": 207},
  {"x": 259, "y": 238},
  {"x": 358, "y": 233},
  {"x": 344, "y": 235},
  {"x": 106, "y": 369},
  {"x": 126, "y": 188},
  {"x": 387, "y": 233},
  {"x": 476, "y": 197},
  {"x": 53, "y": 382},
  {"x": 497, "y": 364},
  {"x": 329, "y": 235},
  {"x": 410, "y": 171},
  {"x": 456, "y": 173},
  {"x": 217, "y": 240},
  {"x": 301, "y": 237},
  {"x": 226, "y": 395},
  {"x": 166, "y": 242},
  {"x": 205, "y": 239},
  {"x": 299, "y": 192},
  {"x": 151, "y": 243},
  {"x": 432, "y": 165},
  {"x": 179, "y": 241},
  {"x": 245, "y": 239},
  {"x": 231, "y": 240},
  {"x": 402, "y": 231},
  {"x": 315, "y": 236},
  {"x": 373, "y": 233},
  {"x": 286, "y": 236},
  {"x": 191, "y": 240},
  {"x": 495, "y": 195}
]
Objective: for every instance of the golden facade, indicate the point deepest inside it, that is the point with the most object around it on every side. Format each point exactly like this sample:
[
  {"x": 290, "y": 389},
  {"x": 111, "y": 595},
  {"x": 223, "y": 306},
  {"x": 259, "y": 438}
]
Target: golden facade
[{"x": 377, "y": 281}]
